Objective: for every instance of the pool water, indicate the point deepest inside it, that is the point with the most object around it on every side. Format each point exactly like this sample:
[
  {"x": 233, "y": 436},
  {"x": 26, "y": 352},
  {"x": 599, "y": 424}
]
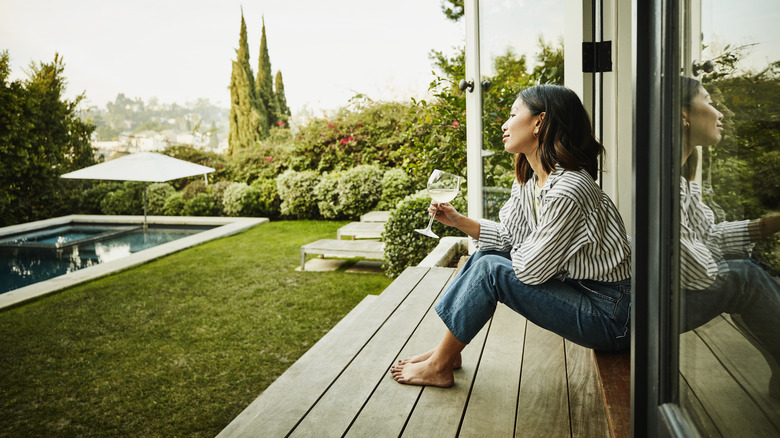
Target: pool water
[{"x": 40, "y": 255}]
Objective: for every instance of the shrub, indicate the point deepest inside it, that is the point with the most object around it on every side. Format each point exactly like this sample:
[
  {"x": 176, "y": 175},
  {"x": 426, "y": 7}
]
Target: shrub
[
  {"x": 296, "y": 189},
  {"x": 93, "y": 196},
  {"x": 127, "y": 200},
  {"x": 234, "y": 199},
  {"x": 174, "y": 205},
  {"x": 217, "y": 191},
  {"x": 360, "y": 189},
  {"x": 396, "y": 185},
  {"x": 193, "y": 188},
  {"x": 327, "y": 195},
  {"x": 264, "y": 198},
  {"x": 201, "y": 204},
  {"x": 156, "y": 195},
  {"x": 405, "y": 247}
]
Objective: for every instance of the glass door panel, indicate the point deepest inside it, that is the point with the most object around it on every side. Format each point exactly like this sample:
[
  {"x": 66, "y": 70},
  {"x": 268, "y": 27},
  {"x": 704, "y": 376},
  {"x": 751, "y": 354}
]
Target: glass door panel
[
  {"x": 729, "y": 380},
  {"x": 520, "y": 44}
]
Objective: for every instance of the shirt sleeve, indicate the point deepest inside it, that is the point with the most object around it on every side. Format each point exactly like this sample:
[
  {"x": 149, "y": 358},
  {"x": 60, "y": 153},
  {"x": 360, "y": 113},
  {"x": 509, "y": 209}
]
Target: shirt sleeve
[
  {"x": 698, "y": 265},
  {"x": 493, "y": 236},
  {"x": 733, "y": 238},
  {"x": 543, "y": 253}
]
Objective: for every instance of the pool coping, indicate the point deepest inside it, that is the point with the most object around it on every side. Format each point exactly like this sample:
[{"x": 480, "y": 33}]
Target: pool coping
[{"x": 225, "y": 226}]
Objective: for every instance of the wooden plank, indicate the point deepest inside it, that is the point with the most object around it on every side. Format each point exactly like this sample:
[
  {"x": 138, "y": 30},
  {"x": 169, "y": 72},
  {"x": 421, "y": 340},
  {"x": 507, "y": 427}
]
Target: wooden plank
[
  {"x": 370, "y": 249},
  {"x": 543, "y": 406},
  {"x": 361, "y": 230},
  {"x": 586, "y": 403},
  {"x": 743, "y": 361},
  {"x": 696, "y": 411},
  {"x": 439, "y": 410},
  {"x": 375, "y": 216},
  {"x": 276, "y": 411},
  {"x": 390, "y": 405},
  {"x": 335, "y": 410},
  {"x": 730, "y": 407},
  {"x": 614, "y": 372},
  {"x": 493, "y": 402}
]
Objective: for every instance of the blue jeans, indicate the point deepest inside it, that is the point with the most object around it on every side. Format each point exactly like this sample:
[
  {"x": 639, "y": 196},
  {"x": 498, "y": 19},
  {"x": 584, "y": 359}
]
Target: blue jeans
[
  {"x": 750, "y": 295},
  {"x": 590, "y": 313}
]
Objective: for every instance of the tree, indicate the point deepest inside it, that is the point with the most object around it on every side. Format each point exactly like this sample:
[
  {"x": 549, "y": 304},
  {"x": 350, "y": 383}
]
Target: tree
[
  {"x": 281, "y": 100},
  {"x": 41, "y": 138},
  {"x": 453, "y": 9},
  {"x": 246, "y": 120},
  {"x": 264, "y": 85}
]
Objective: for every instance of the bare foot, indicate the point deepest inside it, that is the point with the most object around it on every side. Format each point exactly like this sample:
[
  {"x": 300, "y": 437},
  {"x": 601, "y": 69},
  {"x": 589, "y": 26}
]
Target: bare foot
[
  {"x": 424, "y": 373},
  {"x": 456, "y": 363}
]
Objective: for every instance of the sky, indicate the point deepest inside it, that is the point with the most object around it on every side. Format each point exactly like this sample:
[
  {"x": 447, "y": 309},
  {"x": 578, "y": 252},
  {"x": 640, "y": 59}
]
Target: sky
[{"x": 180, "y": 51}]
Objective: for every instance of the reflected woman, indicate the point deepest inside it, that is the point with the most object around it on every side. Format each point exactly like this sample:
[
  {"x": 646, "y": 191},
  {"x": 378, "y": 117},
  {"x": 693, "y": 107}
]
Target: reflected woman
[{"x": 717, "y": 274}]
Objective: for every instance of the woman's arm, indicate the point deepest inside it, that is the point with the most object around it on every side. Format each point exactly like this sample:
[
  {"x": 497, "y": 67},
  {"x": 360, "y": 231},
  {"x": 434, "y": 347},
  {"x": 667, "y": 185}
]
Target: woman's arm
[{"x": 764, "y": 227}]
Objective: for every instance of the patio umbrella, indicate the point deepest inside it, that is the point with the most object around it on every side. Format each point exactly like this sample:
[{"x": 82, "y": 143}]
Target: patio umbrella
[{"x": 143, "y": 166}]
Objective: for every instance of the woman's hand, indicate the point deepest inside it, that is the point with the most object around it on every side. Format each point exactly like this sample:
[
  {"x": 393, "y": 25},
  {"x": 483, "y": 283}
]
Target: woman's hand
[{"x": 444, "y": 213}]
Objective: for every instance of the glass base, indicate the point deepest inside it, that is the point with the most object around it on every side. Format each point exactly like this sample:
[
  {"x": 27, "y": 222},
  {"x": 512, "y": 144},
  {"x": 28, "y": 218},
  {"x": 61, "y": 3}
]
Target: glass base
[{"x": 427, "y": 232}]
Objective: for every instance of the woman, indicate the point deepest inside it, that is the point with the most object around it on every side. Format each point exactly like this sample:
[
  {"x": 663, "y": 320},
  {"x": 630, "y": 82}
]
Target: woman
[
  {"x": 559, "y": 256},
  {"x": 716, "y": 272}
]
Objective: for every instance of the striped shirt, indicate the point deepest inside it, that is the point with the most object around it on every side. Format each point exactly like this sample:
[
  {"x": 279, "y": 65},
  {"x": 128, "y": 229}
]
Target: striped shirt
[
  {"x": 705, "y": 244},
  {"x": 579, "y": 234}
]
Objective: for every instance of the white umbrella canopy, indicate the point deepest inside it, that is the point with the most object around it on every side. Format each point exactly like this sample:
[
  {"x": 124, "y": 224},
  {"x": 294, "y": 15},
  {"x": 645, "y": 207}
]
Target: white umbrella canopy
[{"x": 143, "y": 166}]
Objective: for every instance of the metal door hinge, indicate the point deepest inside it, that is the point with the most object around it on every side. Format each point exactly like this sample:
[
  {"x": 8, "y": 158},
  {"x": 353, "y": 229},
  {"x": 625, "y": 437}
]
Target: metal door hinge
[{"x": 596, "y": 57}]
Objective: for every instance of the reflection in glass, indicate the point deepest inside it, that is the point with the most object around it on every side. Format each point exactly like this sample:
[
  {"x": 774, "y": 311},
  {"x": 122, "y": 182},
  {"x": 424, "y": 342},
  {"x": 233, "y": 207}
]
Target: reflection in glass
[
  {"x": 729, "y": 252},
  {"x": 515, "y": 53}
]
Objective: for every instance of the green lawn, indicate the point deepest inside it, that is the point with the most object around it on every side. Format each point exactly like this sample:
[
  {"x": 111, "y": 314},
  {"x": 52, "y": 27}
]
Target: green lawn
[{"x": 176, "y": 347}]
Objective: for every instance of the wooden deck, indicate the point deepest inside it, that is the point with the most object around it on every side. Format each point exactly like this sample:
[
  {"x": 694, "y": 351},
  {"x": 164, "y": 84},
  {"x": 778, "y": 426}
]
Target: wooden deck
[
  {"x": 724, "y": 381},
  {"x": 516, "y": 379}
]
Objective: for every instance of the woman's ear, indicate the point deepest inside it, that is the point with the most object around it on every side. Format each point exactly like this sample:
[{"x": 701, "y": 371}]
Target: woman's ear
[{"x": 685, "y": 118}]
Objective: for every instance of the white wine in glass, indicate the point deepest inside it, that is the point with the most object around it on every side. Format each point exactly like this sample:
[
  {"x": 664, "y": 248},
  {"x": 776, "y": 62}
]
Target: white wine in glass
[{"x": 443, "y": 187}]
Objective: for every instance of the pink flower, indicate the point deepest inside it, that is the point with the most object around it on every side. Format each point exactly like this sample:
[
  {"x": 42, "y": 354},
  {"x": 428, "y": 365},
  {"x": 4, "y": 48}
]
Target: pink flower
[
  {"x": 300, "y": 137},
  {"x": 359, "y": 125},
  {"x": 330, "y": 125},
  {"x": 269, "y": 159},
  {"x": 351, "y": 138},
  {"x": 455, "y": 124},
  {"x": 343, "y": 141},
  {"x": 280, "y": 123},
  {"x": 500, "y": 119}
]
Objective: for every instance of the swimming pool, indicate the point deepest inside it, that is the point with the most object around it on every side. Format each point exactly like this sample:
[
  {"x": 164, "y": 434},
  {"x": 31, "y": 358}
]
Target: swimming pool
[
  {"x": 53, "y": 251},
  {"x": 41, "y": 257}
]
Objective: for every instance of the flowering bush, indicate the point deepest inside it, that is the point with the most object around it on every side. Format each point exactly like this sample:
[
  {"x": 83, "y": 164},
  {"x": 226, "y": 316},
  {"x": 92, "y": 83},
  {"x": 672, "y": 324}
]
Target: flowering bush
[
  {"x": 365, "y": 132},
  {"x": 296, "y": 190}
]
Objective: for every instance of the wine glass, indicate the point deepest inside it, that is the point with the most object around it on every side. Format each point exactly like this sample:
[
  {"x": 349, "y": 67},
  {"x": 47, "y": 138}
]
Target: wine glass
[{"x": 443, "y": 187}]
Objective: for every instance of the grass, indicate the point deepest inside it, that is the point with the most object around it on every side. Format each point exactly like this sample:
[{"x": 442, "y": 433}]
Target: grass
[{"x": 175, "y": 347}]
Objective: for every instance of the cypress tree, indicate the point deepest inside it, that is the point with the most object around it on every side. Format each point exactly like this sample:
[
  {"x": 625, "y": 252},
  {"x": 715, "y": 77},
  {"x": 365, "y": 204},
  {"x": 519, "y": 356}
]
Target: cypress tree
[
  {"x": 281, "y": 99},
  {"x": 264, "y": 84},
  {"x": 245, "y": 119}
]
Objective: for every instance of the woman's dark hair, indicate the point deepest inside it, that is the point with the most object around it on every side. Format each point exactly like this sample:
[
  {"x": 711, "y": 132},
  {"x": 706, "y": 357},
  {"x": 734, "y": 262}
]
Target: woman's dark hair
[
  {"x": 689, "y": 89},
  {"x": 565, "y": 134}
]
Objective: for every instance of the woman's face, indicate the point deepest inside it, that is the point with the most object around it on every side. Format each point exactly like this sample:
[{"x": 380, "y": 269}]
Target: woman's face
[
  {"x": 519, "y": 137},
  {"x": 704, "y": 121}
]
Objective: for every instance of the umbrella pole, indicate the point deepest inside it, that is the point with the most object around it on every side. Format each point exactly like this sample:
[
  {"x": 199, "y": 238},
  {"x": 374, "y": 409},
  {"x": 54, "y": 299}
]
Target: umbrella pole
[{"x": 145, "y": 185}]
